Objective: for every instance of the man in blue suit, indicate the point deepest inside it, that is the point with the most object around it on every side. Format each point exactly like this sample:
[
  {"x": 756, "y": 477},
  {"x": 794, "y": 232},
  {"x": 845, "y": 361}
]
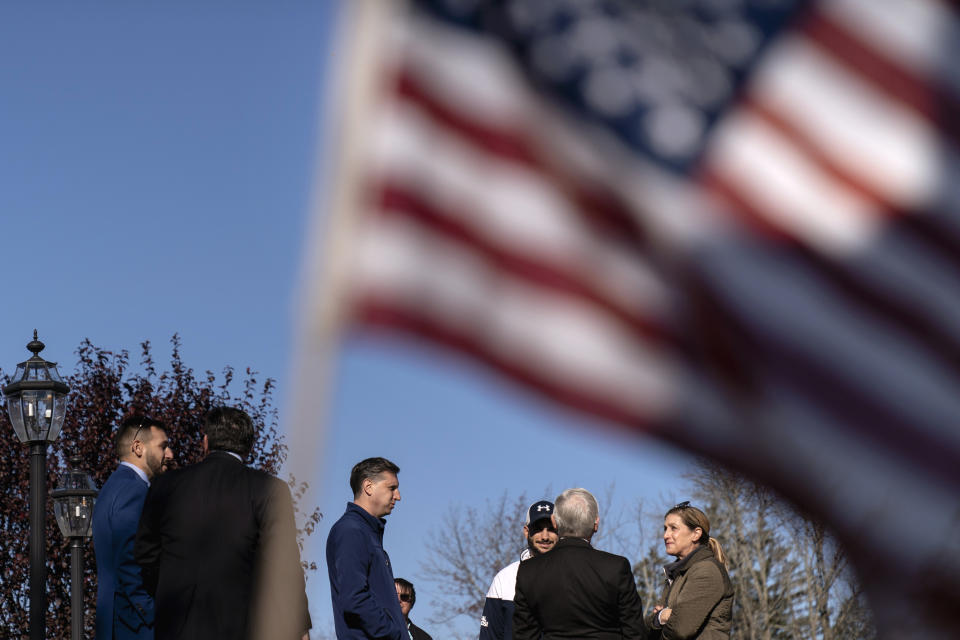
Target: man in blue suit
[{"x": 124, "y": 609}]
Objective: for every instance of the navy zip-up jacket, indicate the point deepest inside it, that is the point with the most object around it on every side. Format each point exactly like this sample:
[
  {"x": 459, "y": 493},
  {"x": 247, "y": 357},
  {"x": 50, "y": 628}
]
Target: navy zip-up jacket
[{"x": 365, "y": 603}]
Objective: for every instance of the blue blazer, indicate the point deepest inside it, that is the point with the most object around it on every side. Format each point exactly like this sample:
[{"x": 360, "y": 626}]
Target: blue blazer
[{"x": 124, "y": 609}]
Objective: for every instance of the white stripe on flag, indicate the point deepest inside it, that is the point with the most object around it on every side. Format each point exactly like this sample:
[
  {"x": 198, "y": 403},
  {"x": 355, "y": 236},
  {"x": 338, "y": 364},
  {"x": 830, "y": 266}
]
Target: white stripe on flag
[
  {"x": 558, "y": 338},
  {"x": 510, "y": 206},
  {"x": 471, "y": 74},
  {"x": 915, "y": 33},
  {"x": 884, "y": 144},
  {"x": 787, "y": 188}
]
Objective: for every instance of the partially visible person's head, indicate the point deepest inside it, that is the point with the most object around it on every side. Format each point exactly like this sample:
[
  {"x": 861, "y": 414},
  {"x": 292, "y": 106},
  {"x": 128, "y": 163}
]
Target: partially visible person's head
[
  {"x": 685, "y": 528},
  {"x": 576, "y": 514},
  {"x": 229, "y": 429},
  {"x": 375, "y": 485},
  {"x": 539, "y": 530},
  {"x": 143, "y": 442},
  {"x": 406, "y": 594}
]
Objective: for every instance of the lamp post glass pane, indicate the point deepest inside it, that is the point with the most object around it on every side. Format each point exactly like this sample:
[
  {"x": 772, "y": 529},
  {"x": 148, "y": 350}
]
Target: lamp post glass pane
[
  {"x": 57, "y": 414},
  {"x": 33, "y": 415},
  {"x": 74, "y": 515},
  {"x": 37, "y": 401},
  {"x": 16, "y": 418},
  {"x": 73, "y": 502}
]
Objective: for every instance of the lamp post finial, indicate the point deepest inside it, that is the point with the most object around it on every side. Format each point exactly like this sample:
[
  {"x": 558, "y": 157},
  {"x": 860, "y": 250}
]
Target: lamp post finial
[{"x": 35, "y": 346}]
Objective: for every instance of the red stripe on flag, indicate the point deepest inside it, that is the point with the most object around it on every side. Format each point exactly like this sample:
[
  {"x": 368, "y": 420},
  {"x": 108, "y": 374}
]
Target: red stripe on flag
[
  {"x": 395, "y": 199},
  {"x": 738, "y": 206},
  {"x": 602, "y": 209},
  {"x": 828, "y": 386},
  {"x": 804, "y": 144},
  {"x": 505, "y": 144},
  {"x": 376, "y": 313},
  {"x": 883, "y": 305},
  {"x": 924, "y": 95}
]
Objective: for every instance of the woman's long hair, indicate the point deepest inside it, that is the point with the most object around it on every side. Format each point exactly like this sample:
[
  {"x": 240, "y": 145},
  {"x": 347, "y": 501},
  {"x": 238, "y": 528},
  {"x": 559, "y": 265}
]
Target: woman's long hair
[{"x": 693, "y": 518}]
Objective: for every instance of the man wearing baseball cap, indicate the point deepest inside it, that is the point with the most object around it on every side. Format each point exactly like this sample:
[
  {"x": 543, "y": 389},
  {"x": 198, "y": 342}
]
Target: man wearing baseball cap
[{"x": 496, "y": 623}]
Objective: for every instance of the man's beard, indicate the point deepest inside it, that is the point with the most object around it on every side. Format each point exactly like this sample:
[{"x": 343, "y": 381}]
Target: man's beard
[{"x": 533, "y": 548}]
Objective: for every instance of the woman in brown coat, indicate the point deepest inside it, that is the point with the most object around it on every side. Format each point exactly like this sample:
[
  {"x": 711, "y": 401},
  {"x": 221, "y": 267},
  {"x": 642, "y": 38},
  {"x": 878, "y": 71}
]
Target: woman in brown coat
[{"x": 698, "y": 598}]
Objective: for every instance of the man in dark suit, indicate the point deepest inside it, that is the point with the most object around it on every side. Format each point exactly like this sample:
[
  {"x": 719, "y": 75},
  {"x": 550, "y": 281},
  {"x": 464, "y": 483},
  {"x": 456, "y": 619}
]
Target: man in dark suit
[
  {"x": 576, "y": 591},
  {"x": 217, "y": 543},
  {"x": 124, "y": 609}
]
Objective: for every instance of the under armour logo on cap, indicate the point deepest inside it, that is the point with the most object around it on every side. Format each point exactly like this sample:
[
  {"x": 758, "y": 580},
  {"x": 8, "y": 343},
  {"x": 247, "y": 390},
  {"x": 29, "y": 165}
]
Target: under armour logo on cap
[{"x": 539, "y": 510}]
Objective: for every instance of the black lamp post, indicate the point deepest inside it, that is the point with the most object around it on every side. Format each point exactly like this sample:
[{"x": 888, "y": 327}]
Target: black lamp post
[
  {"x": 37, "y": 404},
  {"x": 73, "y": 506}
]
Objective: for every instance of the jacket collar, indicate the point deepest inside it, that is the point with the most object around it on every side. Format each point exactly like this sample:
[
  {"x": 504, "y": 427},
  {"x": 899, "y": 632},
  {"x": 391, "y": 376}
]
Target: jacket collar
[
  {"x": 375, "y": 523},
  {"x": 137, "y": 470},
  {"x": 679, "y": 567},
  {"x": 574, "y": 542}
]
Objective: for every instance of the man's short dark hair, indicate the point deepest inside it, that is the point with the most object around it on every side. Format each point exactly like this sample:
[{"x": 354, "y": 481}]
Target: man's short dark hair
[
  {"x": 369, "y": 468},
  {"x": 229, "y": 429},
  {"x": 407, "y": 587},
  {"x": 128, "y": 432}
]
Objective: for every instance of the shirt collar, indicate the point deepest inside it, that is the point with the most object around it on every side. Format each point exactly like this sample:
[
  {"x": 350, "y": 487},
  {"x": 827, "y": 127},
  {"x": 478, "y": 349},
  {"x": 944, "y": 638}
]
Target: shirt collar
[
  {"x": 140, "y": 472},
  {"x": 235, "y": 455}
]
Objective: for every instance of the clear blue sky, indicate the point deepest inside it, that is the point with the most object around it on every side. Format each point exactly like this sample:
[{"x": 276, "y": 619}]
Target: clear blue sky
[{"x": 156, "y": 176}]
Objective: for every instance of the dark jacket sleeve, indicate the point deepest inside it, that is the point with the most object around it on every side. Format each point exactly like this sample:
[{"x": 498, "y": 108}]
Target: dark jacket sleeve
[
  {"x": 632, "y": 625},
  {"x": 497, "y": 619},
  {"x": 349, "y": 556},
  {"x": 703, "y": 589},
  {"x": 281, "y": 600},
  {"x": 129, "y": 579},
  {"x": 146, "y": 546},
  {"x": 525, "y": 625},
  {"x": 419, "y": 634},
  {"x": 653, "y": 627}
]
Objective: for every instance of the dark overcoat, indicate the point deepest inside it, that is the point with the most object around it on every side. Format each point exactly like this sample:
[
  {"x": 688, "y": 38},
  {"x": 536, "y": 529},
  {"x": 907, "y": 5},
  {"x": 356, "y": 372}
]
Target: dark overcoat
[
  {"x": 577, "y": 592},
  {"x": 217, "y": 544}
]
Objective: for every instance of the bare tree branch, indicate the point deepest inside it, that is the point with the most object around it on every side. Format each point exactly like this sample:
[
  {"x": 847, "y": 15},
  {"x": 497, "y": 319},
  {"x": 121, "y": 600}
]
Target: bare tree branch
[{"x": 472, "y": 546}]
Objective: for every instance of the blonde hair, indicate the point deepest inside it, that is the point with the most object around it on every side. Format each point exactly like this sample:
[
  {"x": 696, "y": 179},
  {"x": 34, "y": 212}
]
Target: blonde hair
[{"x": 693, "y": 518}]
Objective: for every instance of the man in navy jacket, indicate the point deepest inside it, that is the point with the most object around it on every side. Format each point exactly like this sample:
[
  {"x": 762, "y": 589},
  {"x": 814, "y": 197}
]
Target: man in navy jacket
[
  {"x": 364, "y": 598},
  {"x": 124, "y": 609}
]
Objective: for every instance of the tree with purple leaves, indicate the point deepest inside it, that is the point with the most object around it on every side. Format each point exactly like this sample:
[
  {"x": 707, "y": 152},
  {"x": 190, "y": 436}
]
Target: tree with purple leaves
[{"x": 106, "y": 388}]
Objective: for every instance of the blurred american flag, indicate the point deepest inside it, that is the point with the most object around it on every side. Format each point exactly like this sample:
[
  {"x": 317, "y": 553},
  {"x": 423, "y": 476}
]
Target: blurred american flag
[{"x": 731, "y": 224}]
